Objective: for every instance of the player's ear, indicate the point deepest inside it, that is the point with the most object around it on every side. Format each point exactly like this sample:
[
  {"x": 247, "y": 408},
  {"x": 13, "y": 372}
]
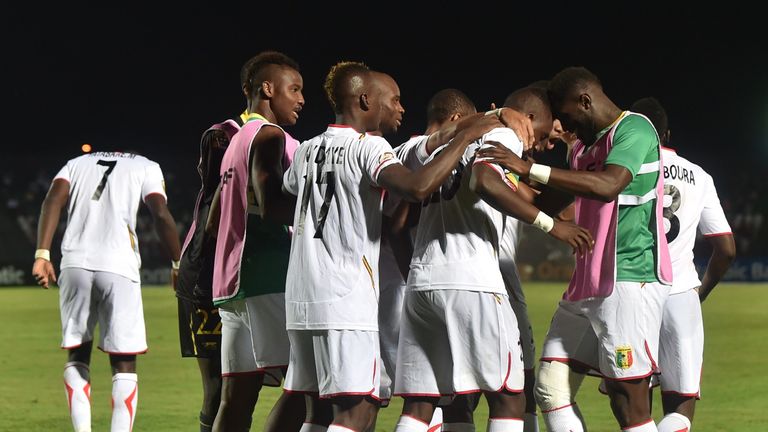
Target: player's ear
[
  {"x": 365, "y": 104},
  {"x": 455, "y": 117},
  {"x": 585, "y": 100},
  {"x": 267, "y": 89}
]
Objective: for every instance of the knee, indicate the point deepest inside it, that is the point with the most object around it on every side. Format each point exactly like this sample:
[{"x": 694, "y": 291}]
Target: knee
[{"x": 556, "y": 385}]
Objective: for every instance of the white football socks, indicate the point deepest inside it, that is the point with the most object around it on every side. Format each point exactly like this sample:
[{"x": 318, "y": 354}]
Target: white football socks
[
  {"x": 505, "y": 425},
  {"x": 674, "y": 422},
  {"x": 125, "y": 396},
  {"x": 648, "y": 426},
  {"x": 436, "y": 424},
  {"x": 77, "y": 382},
  {"x": 564, "y": 419},
  {"x": 410, "y": 424}
]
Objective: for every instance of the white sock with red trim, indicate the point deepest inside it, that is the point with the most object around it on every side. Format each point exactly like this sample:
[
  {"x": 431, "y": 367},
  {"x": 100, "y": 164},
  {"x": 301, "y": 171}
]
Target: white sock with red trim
[
  {"x": 436, "y": 424},
  {"x": 310, "y": 427},
  {"x": 674, "y": 422},
  {"x": 648, "y": 426},
  {"x": 77, "y": 382},
  {"x": 458, "y": 427},
  {"x": 531, "y": 422},
  {"x": 125, "y": 397},
  {"x": 410, "y": 424},
  {"x": 505, "y": 425},
  {"x": 565, "y": 419}
]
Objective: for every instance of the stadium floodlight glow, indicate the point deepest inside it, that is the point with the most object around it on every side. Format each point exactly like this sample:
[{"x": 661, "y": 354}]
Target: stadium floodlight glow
[{"x": 86, "y": 148}]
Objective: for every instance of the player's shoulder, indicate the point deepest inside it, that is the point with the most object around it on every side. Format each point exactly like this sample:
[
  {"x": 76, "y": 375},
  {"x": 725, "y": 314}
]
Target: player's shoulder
[{"x": 636, "y": 122}]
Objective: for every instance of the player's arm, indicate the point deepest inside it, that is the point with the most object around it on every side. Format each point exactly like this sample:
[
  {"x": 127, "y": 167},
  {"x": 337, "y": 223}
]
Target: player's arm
[
  {"x": 214, "y": 214},
  {"x": 632, "y": 141},
  {"x": 487, "y": 183},
  {"x": 417, "y": 185},
  {"x": 600, "y": 185},
  {"x": 266, "y": 177},
  {"x": 165, "y": 227},
  {"x": 723, "y": 254},
  {"x": 50, "y": 212},
  {"x": 515, "y": 120}
]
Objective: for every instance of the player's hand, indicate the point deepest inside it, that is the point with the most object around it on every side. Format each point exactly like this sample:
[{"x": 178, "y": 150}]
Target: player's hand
[
  {"x": 577, "y": 237},
  {"x": 174, "y": 278},
  {"x": 478, "y": 128},
  {"x": 505, "y": 157},
  {"x": 43, "y": 272},
  {"x": 521, "y": 124}
]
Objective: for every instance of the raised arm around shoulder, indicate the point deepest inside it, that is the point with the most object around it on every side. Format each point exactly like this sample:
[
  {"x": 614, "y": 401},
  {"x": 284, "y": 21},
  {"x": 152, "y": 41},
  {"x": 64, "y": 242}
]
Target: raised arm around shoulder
[
  {"x": 723, "y": 254},
  {"x": 266, "y": 176},
  {"x": 418, "y": 185},
  {"x": 165, "y": 225},
  {"x": 487, "y": 183}
]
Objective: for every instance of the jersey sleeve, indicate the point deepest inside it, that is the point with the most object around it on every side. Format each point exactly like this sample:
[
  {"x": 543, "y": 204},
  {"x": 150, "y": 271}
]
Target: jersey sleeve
[
  {"x": 634, "y": 138},
  {"x": 291, "y": 175},
  {"x": 713, "y": 221},
  {"x": 413, "y": 153},
  {"x": 153, "y": 182},
  {"x": 376, "y": 155},
  {"x": 508, "y": 139}
]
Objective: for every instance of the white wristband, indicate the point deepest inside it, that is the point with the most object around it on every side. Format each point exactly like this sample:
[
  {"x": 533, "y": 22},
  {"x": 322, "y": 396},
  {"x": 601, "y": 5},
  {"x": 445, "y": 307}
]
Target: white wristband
[
  {"x": 540, "y": 173},
  {"x": 544, "y": 222},
  {"x": 43, "y": 253},
  {"x": 175, "y": 264}
]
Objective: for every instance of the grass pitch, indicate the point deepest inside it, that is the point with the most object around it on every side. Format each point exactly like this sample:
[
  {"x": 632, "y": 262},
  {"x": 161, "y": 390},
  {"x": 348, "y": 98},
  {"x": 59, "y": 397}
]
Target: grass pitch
[{"x": 32, "y": 396}]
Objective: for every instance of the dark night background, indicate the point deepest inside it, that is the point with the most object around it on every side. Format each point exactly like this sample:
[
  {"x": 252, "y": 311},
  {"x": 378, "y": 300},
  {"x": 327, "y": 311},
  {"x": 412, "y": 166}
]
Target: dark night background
[{"x": 152, "y": 78}]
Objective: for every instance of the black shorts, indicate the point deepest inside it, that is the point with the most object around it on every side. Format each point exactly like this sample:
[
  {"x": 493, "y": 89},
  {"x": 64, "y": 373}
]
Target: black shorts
[{"x": 199, "y": 330}]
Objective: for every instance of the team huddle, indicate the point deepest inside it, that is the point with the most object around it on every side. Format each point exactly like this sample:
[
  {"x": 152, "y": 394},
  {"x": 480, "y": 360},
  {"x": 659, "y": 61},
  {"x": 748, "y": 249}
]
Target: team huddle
[{"x": 349, "y": 271}]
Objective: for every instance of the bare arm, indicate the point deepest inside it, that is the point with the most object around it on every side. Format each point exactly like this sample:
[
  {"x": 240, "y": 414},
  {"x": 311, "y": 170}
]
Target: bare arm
[
  {"x": 55, "y": 200},
  {"x": 165, "y": 226},
  {"x": 417, "y": 185},
  {"x": 603, "y": 185},
  {"x": 512, "y": 119},
  {"x": 266, "y": 176},
  {"x": 723, "y": 253},
  {"x": 487, "y": 184},
  {"x": 214, "y": 214}
]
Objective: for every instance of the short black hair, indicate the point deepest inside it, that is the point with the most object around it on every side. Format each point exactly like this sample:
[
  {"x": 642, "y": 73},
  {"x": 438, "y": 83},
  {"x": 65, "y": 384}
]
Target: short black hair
[
  {"x": 569, "y": 80},
  {"x": 652, "y": 108},
  {"x": 448, "y": 102},
  {"x": 340, "y": 82},
  {"x": 519, "y": 98},
  {"x": 253, "y": 70}
]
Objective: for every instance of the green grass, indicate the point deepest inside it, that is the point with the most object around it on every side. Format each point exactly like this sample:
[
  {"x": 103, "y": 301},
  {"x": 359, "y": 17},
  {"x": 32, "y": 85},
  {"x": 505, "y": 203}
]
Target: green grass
[{"x": 735, "y": 386}]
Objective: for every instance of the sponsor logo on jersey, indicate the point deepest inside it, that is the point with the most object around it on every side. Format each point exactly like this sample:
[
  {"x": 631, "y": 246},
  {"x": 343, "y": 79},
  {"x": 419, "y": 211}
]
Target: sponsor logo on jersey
[
  {"x": 624, "y": 358},
  {"x": 385, "y": 157}
]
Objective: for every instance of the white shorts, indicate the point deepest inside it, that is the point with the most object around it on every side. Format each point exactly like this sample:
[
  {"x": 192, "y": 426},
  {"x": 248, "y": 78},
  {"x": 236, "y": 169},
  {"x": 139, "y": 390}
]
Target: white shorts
[
  {"x": 520, "y": 308},
  {"x": 114, "y": 302},
  {"x": 616, "y": 336},
  {"x": 455, "y": 341},
  {"x": 681, "y": 345},
  {"x": 253, "y": 337},
  {"x": 390, "y": 314},
  {"x": 334, "y": 363}
]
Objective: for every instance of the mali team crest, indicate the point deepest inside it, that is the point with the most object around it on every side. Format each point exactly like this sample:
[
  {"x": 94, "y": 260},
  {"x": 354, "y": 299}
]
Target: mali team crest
[{"x": 624, "y": 357}]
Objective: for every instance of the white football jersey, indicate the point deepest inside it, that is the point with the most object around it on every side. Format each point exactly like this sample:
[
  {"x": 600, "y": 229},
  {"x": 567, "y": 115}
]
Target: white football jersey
[
  {"x": 457, "y": 241},
  {"x": 690, "y": 201},
  {"x": 508, "y": 246},
  {"x": 105, "y": 189},
  {"x": 333, "y": 269}
]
